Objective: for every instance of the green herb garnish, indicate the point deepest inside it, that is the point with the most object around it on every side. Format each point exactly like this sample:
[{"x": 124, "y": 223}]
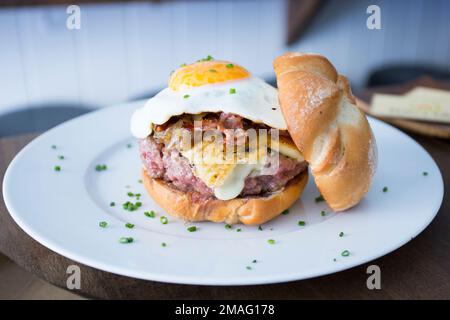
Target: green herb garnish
[
  {"x": 129, "y": 225},
  {"x": 385, "y": 189},
  {"x": 260, "y": 228},
  {"x": 228, "y": 226},
  {"x": 129, "y": 145},
  {"x": 230, "y": 65},
  {"x": 164, "y": 220},
  {"x": 208, "y": 58},
  {"x": 213, "y": 70},
  {"x": 248, "y": 268},
  {"x": 101, "y": 167},
  {"x": 232, "y": 90},
  {"x": 285, "y": 212},
  {"x": 103, "y": 224},
  {"x": 323, "y": 213},
  {"x": 53, "y": 147},
  {"x": 254, "y": 261},
  {"x": 319, "y": 199},
  {"x": 341, "y": 234},
  {"x": 345, "y": 253},
  {"x": 186, "y": 96},
  {"x": 57, "y": 168},
  {"x": 163, "y": 244},
  {"x": 301, "y": 223},
  {"x": 126, "y": 240},
  {"x": 425, "y": 173},
  {"x": 271, "y": 241},
  {"x": 61, "y": 157},
  {"x": 112, "y": 204},
  {"x": 192, "y": 229},
  {"x": 129, "y": 206},
  {"x": 238, "y": 230},
  {"x": 150, "y": 214}
]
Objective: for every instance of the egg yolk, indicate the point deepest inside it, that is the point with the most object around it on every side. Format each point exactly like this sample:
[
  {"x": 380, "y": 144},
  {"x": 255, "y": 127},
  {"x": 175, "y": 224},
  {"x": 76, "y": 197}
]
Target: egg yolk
[{"x": 206, "y": 72}]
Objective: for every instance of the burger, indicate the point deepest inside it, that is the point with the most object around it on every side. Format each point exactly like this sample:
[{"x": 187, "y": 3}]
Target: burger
[{"x": 219, "y": 144}]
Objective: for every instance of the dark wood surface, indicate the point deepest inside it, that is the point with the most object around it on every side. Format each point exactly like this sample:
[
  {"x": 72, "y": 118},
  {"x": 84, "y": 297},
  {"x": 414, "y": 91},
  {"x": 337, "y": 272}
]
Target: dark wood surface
[{"x": 418, "y": 270}]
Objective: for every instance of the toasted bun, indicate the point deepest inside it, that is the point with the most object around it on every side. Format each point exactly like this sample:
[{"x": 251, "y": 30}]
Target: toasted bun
[
  {"x": 251, "y": 210},
  {"x": 327, "y": 127}
]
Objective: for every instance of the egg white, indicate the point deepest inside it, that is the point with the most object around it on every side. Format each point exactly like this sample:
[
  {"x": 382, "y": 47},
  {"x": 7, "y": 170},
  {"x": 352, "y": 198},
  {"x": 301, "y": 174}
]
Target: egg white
[{"x": 253, "y": 99}]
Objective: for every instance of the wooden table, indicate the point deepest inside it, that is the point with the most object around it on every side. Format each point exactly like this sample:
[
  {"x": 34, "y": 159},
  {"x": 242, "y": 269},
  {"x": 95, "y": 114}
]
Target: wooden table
[{"x": 420, "y": 269}]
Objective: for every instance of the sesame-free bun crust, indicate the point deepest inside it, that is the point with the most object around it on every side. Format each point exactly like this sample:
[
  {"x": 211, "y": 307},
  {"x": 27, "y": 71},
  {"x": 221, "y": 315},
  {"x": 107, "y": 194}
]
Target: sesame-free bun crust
[
  {"x": 249, "y": 210},
  {"x": 330, "y": 131}
]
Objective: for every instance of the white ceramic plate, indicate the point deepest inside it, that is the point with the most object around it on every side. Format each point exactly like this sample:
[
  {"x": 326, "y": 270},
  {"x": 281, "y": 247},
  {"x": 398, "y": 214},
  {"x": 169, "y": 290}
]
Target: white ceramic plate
[{"x": 62, "y": 210}]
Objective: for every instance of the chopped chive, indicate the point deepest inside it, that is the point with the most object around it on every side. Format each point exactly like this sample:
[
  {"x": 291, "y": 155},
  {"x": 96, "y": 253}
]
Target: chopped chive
[
  {"x": 150, "y": 214},
  {"x": 130, "y": 194},
  {"x": 271, "y": 241},
  {"x": 129, "y": 145},
  {"x": 183, "y": 65},
  {"x": 61, "y": 157},
  {"x": 192, "y": 229},
  {"x": 248, "y": 268},
  {"x": 186, "y": 96},
  {"x": 228, "y": 226},
  {"x": 101, "y": 167},
  {"x": 345, "y": 253},
  {"x": 385, "y": 189},
  {"x": 57, "y": 168},
  {"x": 53, "y": 147},
  {"x": 285, "y": 212},
  {"x": 140, "y": 181},
  {"x": 334, "y": 259},
  {"x": 301, "y": 223},
  {"x": 164, "y": 220},
  {"x": 208, "y": 58},
  {"x": 238, "y": 230},
  {"x": 163, "y": 244},
  {"x": 103, "y": 224},
  {"x": 254, "y": 261},
  {"x": 126, "y": 240},
  {"x": 260, "y": 228},
  {"x": 230, "y": 65},
  {"x": 425, "y": 173},
  {"x": 112, "y": 204},
  {"x": 319, "y": 199},
  {"x": 232, "y": 90},
  {"x": 323, "y": 213},
  {"x": 129, "y": 206},
  {"x": 129, "y": 225},
  {"x": 213, "y": 70},
  {"x": 341, "y": 234}
]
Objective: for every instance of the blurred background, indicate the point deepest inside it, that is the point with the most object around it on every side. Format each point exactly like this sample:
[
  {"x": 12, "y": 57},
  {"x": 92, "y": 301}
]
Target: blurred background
[{"x": 126, "y": 50}]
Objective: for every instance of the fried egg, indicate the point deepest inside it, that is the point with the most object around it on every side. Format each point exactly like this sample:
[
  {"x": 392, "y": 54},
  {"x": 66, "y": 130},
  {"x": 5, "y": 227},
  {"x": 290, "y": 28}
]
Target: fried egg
[{"x": 210, "y": 86}]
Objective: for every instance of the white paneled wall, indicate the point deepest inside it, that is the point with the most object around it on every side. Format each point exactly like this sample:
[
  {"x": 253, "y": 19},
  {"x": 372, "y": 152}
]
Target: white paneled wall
[{"x": 125, "y": 50}]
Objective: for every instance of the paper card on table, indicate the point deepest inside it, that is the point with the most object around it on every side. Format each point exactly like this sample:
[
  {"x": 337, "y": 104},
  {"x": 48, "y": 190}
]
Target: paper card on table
[
  {"x": 415, "y": 107},
  {"x": 429, "y": 93}
]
